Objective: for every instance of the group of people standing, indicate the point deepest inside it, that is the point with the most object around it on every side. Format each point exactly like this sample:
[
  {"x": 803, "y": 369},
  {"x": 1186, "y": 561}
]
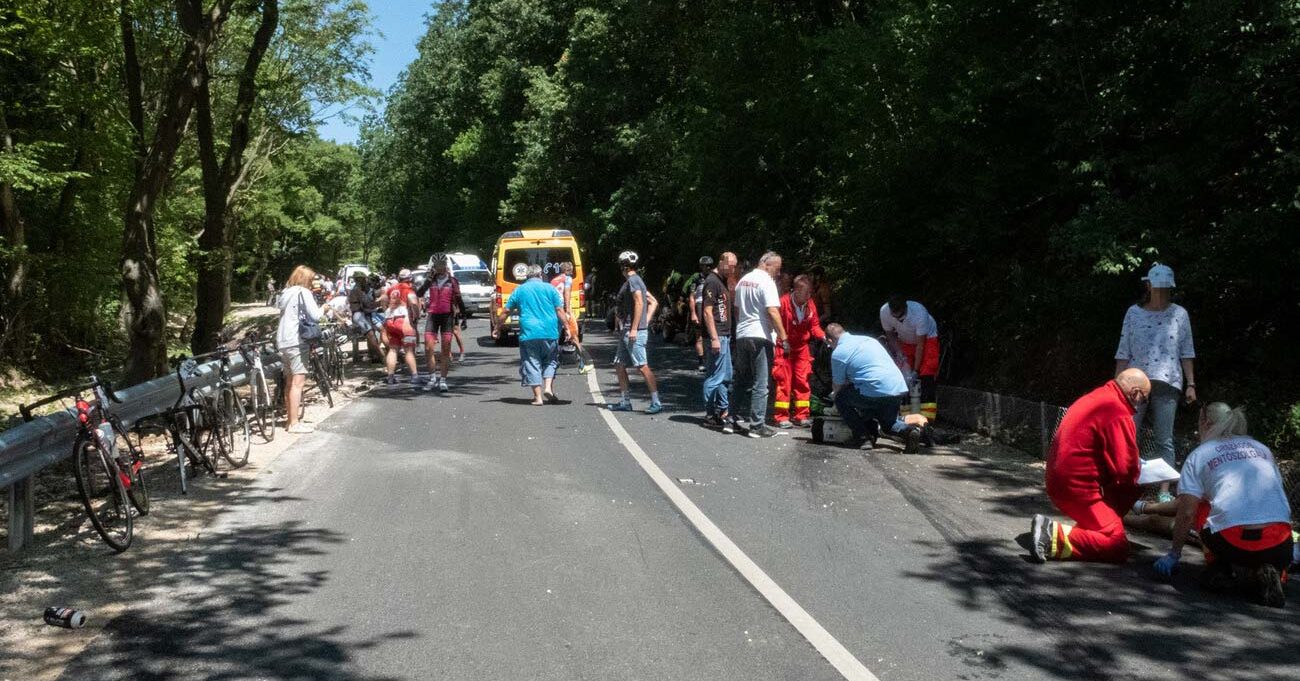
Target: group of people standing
[
  {"x": 1230, "y": 493},
  {"x": 758, "y": 331}
]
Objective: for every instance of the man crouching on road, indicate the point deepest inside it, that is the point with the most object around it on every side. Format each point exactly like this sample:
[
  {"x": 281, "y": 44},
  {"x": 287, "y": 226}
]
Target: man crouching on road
[
  {"x": 1092, "y": 474},
  {"x": 869, "y": 389}
]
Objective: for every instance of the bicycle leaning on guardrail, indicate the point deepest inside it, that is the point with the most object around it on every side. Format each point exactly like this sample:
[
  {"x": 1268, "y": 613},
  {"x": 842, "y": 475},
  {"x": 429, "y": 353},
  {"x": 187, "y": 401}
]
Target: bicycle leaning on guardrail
[
  {"x": 109, "y": 466},
  {"x": 186, "y": 441},
  {"x": 261, "y": 406}
]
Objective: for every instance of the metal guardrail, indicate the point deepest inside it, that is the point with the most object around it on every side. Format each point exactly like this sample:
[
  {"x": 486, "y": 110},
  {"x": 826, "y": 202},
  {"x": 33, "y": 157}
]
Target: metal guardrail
[{"x": 29, "y": 447}]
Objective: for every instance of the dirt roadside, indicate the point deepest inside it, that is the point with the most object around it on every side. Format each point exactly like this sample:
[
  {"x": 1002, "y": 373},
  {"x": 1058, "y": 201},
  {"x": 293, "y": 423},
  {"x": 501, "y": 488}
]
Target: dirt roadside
[{"x": 68, "y": 565}]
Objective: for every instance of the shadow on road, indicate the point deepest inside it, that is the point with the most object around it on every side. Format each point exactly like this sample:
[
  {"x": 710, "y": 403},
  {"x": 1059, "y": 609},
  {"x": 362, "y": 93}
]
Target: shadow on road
[
  {"x": 1103, "y": 616},
  {"x": 220, "y": 617}
]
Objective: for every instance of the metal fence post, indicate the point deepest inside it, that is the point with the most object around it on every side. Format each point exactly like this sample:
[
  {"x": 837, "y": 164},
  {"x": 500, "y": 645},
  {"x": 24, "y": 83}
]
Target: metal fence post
[
  {"x": 22, "y": 513},
  {"x": 1045, "y": 440}
]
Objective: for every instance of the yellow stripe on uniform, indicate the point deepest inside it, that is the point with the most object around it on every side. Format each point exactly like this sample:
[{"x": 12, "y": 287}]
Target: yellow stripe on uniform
[
  {"x": 781, "y": 405},
  {"x": 802, "y": 403}
]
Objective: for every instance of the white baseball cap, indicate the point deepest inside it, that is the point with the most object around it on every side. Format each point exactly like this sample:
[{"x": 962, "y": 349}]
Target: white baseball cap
[{"x": 1160, "y": 276}]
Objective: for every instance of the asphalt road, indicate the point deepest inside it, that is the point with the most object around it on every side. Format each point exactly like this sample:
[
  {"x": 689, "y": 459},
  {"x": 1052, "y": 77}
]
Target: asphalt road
[{"x": 472, "y": 536}]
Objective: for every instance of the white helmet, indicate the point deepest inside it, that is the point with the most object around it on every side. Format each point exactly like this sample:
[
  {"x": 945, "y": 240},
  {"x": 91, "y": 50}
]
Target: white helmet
[{"x": 628, "y": 259}]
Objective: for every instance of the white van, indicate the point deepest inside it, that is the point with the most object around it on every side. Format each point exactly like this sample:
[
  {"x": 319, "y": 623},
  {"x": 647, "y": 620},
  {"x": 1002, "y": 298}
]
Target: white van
[{"x": 476, "y": 285}]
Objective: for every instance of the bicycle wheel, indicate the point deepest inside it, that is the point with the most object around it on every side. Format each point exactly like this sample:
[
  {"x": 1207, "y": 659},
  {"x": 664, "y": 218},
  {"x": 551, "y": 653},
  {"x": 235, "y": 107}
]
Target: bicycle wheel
[
  {"x": 138, "y": 491},
  {"x": 263, "y": 408},
  {"x": 102, "y": 493},
  {"x": 339, "y": 366},
  {"x": 235, "y": 422},
  {"x": 321, "y": 376}
]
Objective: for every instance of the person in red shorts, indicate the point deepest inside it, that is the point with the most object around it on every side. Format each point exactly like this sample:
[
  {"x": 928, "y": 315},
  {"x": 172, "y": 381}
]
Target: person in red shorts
[
  {"x": 790, "y": 368},
  {"x": 1231, "y": 491},
  {"x": 1092, "y": 474},
  {"x": 399, "y": 333}
]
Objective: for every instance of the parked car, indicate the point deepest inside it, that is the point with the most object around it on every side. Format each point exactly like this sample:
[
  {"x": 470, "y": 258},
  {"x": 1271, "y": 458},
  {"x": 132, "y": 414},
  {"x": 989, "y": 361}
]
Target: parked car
[{"x": 346, "y": 272}]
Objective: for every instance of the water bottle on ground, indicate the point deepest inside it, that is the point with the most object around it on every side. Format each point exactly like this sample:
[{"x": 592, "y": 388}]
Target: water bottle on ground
[{"x": 66, "y": 618}]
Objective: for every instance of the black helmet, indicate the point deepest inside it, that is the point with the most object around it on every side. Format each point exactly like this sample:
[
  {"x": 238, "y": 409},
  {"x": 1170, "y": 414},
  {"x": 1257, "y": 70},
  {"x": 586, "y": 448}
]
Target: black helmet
[
  {"x": 706, "y": 261},
  {"x": 628, "y": 259}
]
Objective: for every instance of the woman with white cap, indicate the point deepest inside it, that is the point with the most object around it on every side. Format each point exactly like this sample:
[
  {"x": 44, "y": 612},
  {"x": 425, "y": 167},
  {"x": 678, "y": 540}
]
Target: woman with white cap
[{"x": 1157, "y": 338}]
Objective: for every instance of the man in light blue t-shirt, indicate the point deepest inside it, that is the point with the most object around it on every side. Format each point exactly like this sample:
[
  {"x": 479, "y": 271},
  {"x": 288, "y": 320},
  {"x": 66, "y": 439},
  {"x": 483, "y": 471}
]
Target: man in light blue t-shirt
[
  {"x": 869, "y": 389},
  {"x": 540, "y": 312}
]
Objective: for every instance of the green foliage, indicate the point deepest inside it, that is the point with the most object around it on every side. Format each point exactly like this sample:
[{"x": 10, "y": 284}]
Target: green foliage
[
  {"x": 1014, "y": 165},
  {"x": 62, "y": 99}
]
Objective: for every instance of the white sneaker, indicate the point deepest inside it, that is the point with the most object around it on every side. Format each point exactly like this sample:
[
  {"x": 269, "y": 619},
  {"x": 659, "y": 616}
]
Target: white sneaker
[
  {"x": 430, "y": 385},
  {"x": 442, "y": 385},
  {"x": 301, "y": 428}
]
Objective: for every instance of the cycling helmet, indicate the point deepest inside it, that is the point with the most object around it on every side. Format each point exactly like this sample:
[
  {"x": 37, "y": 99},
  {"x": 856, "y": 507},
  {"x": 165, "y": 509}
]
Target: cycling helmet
[
  {"x": 438, "y": 259},
  {"x": 628, "y": 259},
  {"x": 706, "y": 261},
  {"x": 404, "y": 275}
]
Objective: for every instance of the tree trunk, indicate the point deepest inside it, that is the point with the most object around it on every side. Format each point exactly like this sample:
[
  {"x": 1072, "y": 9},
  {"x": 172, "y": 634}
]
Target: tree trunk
[
  {"x": 212, "y": 299},
  {"x": 15, "y": 239},
  {"x": 146, "y": 314}
]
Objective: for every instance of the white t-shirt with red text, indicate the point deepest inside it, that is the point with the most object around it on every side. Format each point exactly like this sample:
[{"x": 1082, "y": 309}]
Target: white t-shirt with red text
[{"x": 755, "y": 292}]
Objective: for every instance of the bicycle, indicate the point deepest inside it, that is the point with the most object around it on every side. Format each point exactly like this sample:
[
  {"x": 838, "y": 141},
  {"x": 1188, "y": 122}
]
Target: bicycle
[
  {"x": 109, "y": 481},
  {"x": 230, "y": 425},
  {"x": 182, "y": 423},
  {"x": 262, "y": 408}
]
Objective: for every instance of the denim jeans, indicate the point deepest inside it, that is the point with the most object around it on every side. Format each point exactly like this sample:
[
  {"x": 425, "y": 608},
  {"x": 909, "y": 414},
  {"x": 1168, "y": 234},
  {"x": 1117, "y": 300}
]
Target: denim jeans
[
  {"x": 752, "y": 360},
  {"x": 1162, "y": 406},
  {"x": 717, "y": 382},
  {"x": 867, "y": 416}
]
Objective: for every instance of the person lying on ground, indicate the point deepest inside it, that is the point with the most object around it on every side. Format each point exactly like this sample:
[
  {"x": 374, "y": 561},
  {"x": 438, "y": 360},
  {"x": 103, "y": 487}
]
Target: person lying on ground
[
  {"x": 1231, "y": 490},
  {"x": 1092, "y": 474}
]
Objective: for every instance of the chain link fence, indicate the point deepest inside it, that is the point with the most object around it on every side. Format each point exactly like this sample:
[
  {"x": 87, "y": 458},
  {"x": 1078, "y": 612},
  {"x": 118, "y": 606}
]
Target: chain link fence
[{"x": 1029, "y": 426}]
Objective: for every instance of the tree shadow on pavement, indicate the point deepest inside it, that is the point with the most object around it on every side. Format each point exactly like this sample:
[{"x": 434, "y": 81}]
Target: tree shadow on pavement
[
  {"x": 219, "y": 622},
  {"x": 1108, "y": 621}
]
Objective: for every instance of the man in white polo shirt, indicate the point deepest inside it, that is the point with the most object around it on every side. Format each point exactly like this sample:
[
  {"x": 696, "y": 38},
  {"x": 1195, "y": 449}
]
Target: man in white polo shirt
[
  {"x": 913, "y": 333},
  {"x": 758, "y": 327}
]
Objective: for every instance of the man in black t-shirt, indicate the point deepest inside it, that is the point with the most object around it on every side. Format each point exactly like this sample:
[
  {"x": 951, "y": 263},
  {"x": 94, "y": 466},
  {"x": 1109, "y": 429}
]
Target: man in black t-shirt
[{"x": 716, "y": 325}]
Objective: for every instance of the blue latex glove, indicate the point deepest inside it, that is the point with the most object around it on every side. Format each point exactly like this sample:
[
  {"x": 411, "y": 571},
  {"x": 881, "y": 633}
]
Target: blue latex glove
[{"x": 1167, "y": 565}]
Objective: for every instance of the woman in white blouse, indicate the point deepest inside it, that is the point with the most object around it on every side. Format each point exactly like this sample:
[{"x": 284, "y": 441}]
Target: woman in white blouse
[{"x": 1157, "y": 338}]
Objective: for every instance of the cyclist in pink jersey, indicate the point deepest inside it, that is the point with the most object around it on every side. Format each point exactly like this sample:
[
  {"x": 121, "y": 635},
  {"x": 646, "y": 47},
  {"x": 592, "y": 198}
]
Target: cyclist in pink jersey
[{"x": 441, "y": 293}]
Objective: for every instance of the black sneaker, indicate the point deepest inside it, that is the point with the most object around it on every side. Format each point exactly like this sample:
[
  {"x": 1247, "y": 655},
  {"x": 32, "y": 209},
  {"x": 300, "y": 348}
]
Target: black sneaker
[
  {"x": 1269, "y": 583},
  {"x": 1041, "y": 531},
  {"x": 728, "y": 424},
  {"x": 912, "y": 440},
  {"x": 712, "y": 422},
  {"x": 761, "y": 431}
]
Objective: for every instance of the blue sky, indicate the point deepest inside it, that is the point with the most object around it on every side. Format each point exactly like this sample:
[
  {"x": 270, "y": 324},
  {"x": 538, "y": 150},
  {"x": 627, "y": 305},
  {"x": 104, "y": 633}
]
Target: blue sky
[{"x": 402, "y": 24}]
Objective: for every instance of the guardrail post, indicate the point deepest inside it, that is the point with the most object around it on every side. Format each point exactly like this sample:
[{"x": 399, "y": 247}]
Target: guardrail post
[{"x": 22, "y": 512}]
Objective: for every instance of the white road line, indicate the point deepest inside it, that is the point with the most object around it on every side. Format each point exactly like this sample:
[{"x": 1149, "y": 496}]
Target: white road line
[{"x": 848, "y": 666}]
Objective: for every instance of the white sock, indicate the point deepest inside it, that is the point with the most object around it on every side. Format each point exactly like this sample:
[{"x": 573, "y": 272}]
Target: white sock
[
  {"x": 622, "y": 398},
  {"x": 654, "y": 397}
]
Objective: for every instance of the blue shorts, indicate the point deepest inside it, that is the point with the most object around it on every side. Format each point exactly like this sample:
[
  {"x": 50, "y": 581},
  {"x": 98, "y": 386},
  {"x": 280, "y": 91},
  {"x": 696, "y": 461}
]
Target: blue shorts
[
  {"x": 538, "y": 360},
  {"x": 632, "y": 354}
]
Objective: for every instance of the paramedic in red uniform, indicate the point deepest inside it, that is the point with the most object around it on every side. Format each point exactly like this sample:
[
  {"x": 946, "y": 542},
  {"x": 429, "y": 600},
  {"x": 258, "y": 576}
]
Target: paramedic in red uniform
[
  {"x": 791, "y": 368},
  {"x": 911, "y": 331},
  {"x": 1092, "y": 474}
]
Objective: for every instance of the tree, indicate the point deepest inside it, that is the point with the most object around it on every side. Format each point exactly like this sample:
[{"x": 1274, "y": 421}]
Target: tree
[
  {"x": 146, "y": 312},
  {"x": 221, "y": 181}
]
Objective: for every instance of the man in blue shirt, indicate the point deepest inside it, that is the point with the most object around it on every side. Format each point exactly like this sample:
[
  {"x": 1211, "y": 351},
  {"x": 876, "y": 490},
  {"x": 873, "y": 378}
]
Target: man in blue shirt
[
  {"x": 540, "y": 311},
  {"x": 869, "y": 388}
]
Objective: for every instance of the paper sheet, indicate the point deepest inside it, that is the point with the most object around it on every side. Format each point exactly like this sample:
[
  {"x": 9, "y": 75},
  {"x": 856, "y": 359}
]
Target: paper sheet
[{"x": 1155, "y": 472}]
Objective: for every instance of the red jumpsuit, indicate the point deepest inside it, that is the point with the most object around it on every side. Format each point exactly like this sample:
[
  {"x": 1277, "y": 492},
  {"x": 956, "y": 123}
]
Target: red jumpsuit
[
  {"x": 1092, "y": 474},
  {"x": 790, "y": 372}
]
